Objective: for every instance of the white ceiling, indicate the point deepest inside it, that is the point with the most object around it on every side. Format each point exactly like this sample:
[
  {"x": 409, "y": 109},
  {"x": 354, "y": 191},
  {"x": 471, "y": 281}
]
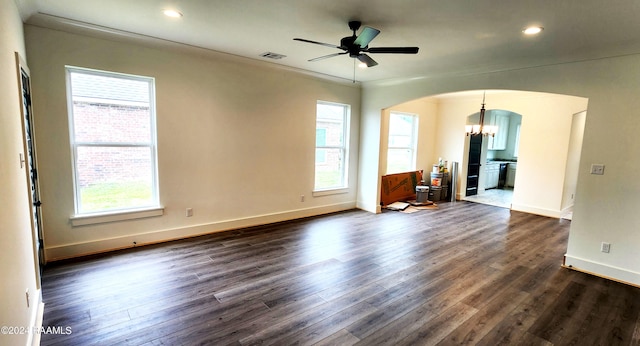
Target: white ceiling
[{"x": 455, "y": 37}]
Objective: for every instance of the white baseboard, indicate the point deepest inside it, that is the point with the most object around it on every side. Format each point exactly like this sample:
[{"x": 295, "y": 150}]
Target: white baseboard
[
  {"x": 567, "y": 210},
  {"x": 602, "y": 270},
  {"x": 55, "y": 253},
  {"x": 538, "y": 211}
]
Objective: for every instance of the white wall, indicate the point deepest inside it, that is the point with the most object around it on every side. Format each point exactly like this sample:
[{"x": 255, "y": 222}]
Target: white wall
[
  {"x": 573, "y": 160},
  {"x": 17, "y": 265},
  {"x": 605, "y": 205},
  {"x": 544, "y": 143},
  {"x": 235, "y": 140},
  {"x": 427, "y": 110}
]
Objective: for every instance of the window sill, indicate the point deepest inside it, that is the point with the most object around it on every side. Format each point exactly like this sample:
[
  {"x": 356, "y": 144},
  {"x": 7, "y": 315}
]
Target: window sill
[
  {"x": 318, "y": 193},
  {"x": 91, "y": 219}
]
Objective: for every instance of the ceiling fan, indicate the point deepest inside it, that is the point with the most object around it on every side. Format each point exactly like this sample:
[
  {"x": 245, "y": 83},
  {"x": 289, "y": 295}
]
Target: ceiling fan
[{"x": 356, "y": 46}]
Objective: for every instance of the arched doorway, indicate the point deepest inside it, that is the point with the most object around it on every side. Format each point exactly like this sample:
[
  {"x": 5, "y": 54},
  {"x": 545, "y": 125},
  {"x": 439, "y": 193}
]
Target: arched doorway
[
  {"x": 542, "y": 185},
  {"x": 492, "y": 159}
]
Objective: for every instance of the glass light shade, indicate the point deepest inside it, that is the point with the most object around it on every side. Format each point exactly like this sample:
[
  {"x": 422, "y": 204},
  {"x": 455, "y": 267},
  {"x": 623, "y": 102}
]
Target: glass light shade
[
  {"x": 533, "y": 30},
  {"x": 490, "y": 130},
  {"x": 172, "y": 13}
]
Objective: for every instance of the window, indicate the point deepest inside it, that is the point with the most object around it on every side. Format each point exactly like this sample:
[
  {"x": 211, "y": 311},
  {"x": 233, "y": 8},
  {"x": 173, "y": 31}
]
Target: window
[
  {"x": 332, "y": 128},
  {"x": 113, "y": 141},
  {"x": 401, "y": 153},
  {"x": 321, "y": 140}
]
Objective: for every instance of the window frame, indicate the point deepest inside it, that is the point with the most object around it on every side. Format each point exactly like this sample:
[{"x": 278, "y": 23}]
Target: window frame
[
  {"x": 113, "y": 214},
  {"x": 413, "y": 148},
  {"x": 344, "y": 148}
]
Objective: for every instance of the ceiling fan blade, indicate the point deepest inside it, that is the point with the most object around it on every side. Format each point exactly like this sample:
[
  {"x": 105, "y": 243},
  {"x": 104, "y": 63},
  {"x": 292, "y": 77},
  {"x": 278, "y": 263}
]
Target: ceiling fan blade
[
  {"x": 366, "y": 36},
  {"x": 393, "y": 50},
  {"x": 327, "y": 56},
  {"x": 367, "y": 60},
  {"x": 315, "y": 42}
]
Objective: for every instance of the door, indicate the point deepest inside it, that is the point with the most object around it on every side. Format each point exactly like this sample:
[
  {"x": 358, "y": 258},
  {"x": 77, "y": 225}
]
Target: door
[
  {"x": 473, "y": 167},
  {"x": 31, "y": 166}
]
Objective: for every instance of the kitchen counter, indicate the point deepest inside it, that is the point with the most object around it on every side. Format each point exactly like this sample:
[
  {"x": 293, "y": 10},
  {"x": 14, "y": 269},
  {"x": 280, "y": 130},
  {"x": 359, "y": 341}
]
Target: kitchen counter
[
  {"x": 501, "y": 161},
  {"x": 511, "y": 174},
  {"x": 496, "y": 173}
]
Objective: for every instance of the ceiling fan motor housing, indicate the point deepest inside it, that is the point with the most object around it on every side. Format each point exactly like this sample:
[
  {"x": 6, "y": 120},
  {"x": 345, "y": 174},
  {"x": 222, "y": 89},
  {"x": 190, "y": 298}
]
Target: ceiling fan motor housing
[{"x": 347, "y": 44}]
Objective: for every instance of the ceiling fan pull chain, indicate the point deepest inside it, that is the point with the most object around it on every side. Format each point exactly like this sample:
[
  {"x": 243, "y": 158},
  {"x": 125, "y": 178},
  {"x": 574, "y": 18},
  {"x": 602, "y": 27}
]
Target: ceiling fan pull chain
[{"x": 354, "y": 70}]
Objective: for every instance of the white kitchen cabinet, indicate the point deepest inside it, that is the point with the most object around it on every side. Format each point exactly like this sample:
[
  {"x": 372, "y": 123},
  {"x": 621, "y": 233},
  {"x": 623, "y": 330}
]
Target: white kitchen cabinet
[
  {"x": 499, "y": 141},
  {"x": 491, "y": 175},
  {"x": 511, "y": 175}
]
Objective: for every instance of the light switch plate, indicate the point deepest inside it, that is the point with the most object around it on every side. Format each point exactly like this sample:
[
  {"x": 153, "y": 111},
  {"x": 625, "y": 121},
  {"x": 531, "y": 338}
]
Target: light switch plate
[{"x": 597, "y": 169}]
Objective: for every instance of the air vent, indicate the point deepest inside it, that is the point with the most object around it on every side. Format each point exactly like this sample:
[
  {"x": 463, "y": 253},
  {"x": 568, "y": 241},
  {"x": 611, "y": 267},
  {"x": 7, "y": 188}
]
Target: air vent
[{"x": 271, "y": 55}]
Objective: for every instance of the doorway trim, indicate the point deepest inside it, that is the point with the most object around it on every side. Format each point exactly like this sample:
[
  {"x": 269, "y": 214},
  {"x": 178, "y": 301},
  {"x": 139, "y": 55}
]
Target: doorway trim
[{"x": 29, "y": 162}]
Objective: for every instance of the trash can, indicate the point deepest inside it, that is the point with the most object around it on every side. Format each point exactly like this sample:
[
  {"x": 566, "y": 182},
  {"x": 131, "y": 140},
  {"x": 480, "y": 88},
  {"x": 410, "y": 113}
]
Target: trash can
[
  {"x": 435, "y": 193},
  {"x": 422, "y": 194}
]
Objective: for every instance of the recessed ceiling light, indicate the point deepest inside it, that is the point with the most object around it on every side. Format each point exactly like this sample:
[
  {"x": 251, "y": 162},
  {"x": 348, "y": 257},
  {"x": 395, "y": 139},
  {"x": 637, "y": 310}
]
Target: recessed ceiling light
[
  {"x": 172, "y": 13},
  {"x": 532, "y": 30}
]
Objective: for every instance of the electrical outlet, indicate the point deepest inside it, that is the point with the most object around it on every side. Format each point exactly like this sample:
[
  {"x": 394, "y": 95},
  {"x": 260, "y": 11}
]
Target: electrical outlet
[
  {"x": 189, "y": 212},
  {"x": 301, "y": 198},
  {"x": 605, "y": 247},
  {"x": 597, "y": 169}
]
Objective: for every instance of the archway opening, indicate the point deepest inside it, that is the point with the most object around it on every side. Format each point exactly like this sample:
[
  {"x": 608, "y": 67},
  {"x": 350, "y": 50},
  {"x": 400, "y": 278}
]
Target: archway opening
[
  {"x": 542, "y": 179},
  {"x": 492, "y": 159}
]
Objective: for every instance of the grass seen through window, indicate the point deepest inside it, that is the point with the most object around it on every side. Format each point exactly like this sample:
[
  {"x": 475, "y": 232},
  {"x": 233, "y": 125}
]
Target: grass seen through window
[{"x": 112, "y": 196}]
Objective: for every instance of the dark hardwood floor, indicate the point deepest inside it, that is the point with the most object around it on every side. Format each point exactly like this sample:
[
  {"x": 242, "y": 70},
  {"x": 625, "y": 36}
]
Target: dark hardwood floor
[{"x": 462, "y": 274}]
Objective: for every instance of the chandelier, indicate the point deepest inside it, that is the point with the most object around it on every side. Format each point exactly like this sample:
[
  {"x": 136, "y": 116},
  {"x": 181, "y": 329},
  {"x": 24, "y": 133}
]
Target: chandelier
[{"x": 481, "y": 128}]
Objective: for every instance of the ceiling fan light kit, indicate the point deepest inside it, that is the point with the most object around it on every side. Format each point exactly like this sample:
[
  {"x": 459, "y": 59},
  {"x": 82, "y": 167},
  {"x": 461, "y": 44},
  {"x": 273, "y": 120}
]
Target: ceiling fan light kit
[
  {"x": 172, "y": 13},
  {"x": 357, "y": 45},
  {"x": 533, "y": 30}
]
